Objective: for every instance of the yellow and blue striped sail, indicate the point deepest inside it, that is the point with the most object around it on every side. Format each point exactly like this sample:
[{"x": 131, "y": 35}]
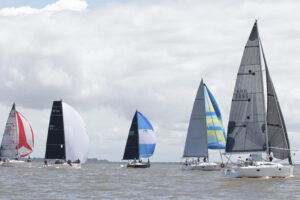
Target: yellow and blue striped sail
[{"x": 216, "y": 137}]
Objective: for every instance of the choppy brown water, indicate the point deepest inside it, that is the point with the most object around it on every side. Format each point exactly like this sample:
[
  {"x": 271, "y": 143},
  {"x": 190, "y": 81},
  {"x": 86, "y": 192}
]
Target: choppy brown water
[{"x": 161, "y": 181}]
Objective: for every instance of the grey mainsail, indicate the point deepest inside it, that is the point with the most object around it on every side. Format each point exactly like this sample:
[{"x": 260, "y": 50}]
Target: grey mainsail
[
  {"x": 9, "y": 145},
  {"x": 277, "y": 135},
  {"x": 196, "y": 140},
  {"x": 246, "y": 127}
]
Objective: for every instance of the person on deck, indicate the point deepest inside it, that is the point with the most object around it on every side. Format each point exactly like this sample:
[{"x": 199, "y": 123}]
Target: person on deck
[
  {"x": 250, "y": 160},
  {"x": 239, "y": 161},
  {"x": 270, "y": 155}
]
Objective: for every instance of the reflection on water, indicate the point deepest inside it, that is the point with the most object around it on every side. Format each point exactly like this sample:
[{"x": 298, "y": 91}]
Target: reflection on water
[{"x": 111, "y": 181}]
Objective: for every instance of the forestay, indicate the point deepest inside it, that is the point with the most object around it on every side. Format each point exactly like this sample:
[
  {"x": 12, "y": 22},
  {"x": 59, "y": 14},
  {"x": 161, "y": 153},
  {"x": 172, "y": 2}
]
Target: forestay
[
  {"x": 196, "y": 140},
  {"x": 216, "y": 137},
  {"x": 246, "y": 127},
  {"x": 76, "y": 137}
]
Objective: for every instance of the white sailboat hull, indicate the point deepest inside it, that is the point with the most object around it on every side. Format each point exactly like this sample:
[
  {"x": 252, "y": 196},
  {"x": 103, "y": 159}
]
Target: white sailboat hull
[
  {"x": 63, "y": 166},
  {"x": 15, "y": 163},
  {"x": 259, "y": 170},
  {"x": 202, "y": 166}
]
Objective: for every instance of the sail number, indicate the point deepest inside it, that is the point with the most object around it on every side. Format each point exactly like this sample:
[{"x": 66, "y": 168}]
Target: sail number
[{"x": 241, "y": 94}]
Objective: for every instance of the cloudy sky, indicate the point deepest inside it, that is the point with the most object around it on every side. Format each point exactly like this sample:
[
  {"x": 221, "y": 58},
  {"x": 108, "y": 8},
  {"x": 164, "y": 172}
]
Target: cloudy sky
[{"x": 109, "y": 58}]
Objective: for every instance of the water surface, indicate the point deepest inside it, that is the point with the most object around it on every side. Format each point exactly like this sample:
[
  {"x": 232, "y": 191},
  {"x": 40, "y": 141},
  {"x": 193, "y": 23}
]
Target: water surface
[{"x": 161, "y": 181}]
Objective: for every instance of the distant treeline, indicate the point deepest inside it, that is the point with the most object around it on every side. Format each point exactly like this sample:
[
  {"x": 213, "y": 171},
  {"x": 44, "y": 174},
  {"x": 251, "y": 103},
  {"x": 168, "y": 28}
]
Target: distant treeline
[{"x": 95, "y": 160}]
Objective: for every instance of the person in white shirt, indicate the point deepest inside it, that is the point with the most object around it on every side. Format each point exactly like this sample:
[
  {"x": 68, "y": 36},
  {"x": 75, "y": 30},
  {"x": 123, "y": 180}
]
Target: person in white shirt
[{"x": 239, "y": 161}]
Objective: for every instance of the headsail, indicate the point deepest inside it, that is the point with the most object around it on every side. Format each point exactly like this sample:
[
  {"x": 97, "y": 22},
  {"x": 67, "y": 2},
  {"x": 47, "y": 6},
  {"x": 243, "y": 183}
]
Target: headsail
[
  {"x": 246, "y": 127},
  {"x": 26, "y": 138},
  {"x": 216, "y": 137},
  {"x": 9, "y": 144},
  {"x": 147, "y": 139},
  {"x": 196, "y": 140},
  {"x": 55, "y": 147},
  {"x": 132, "y": 144},
  {"x": 76, "y": 137},
  {"x": 277, "y": 134}
]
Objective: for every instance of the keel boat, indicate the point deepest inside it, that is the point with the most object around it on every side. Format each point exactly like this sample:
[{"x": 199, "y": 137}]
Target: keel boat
[
  {"x": 141, "y": 142},
  {"x": 67, "y": 141},
  {"x": 17, "y": 141},
  {"x": 251, "y": 129},
  {"x": 205, "y": 132}
]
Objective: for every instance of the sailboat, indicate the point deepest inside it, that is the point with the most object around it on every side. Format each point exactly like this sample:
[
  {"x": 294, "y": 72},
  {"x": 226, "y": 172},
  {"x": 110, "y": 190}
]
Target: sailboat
[
  {"x": 17, "y": 141},
  {"x": 250, "y": 128},
  {"x": 205, "y": 132},
  {"x": 141, "y": 142},
  {"x": 67, "y": 141}
]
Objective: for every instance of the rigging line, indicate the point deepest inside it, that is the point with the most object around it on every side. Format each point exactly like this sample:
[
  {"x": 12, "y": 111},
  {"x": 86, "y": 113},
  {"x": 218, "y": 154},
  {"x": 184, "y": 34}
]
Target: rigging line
[{"x": 206, "y": 94}]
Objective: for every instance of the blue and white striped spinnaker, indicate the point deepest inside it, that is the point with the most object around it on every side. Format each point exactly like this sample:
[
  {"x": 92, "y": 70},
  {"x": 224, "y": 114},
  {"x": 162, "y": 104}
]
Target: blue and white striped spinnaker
[
  {"x": 147, "y": 139},
  {"x": 216, "y": 136}
]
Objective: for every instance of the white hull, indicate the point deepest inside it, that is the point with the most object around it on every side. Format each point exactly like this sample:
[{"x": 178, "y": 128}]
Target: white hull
[
  {"x": 259, "y": 170},
  {"x": 63, "y": 166},
  {"x": 15, "y": 163},
  {"x": 202, "y": 166}
]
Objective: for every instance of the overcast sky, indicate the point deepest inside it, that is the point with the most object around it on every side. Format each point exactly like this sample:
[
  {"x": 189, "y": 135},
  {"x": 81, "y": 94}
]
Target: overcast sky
[{"x": 109, "y": 58}]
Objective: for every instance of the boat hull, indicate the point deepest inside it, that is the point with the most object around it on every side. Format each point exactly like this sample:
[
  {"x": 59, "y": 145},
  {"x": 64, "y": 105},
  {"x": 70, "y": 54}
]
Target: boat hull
[
  {"x": 261, "y": 170},
  {"x": 138, "y": 165},
  {"x": 202, "y": 166},
  {"x": 15, "y": 163},
  {"x": 63, "y": 166}
]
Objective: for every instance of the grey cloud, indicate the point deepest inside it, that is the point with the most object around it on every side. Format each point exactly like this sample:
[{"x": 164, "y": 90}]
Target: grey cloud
[{"x": 110, "y": 61}]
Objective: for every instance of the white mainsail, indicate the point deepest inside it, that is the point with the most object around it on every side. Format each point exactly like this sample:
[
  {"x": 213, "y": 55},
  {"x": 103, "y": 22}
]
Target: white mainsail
[{"x": 76, "y": 137}]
